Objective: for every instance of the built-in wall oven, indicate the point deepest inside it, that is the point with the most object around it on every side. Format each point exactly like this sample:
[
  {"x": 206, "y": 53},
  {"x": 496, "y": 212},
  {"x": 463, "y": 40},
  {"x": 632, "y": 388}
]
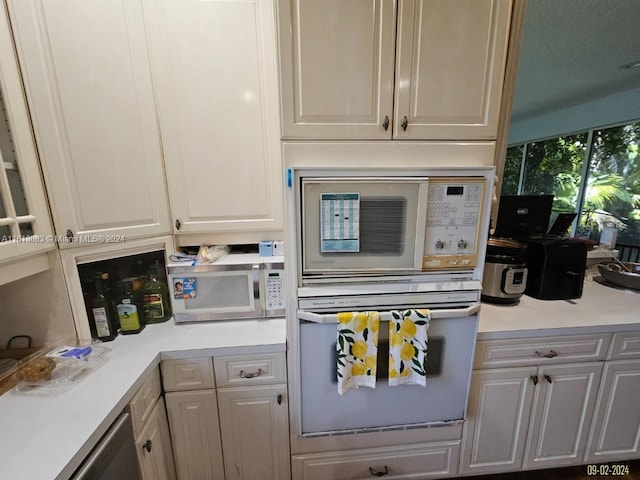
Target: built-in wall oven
[
  {"x": 451, "y": 338},
  {"x": 383, "y": 240}
]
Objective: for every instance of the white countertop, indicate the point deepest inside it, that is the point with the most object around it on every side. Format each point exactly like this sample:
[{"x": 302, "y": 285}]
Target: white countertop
[
  {"x": 48, "y": 437},
  {"x": 600, "y": 309}
]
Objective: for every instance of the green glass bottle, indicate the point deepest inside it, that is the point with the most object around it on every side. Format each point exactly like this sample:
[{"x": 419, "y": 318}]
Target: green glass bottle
[
  {"x": 129, "y": 311},
  {"x": 155, "y": 297}
]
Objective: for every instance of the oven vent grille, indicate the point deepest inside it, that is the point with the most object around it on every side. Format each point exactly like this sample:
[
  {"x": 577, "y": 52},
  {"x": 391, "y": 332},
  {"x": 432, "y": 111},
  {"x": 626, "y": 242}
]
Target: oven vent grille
[
  {"x": 366, "y": 282},
  {"x": 333, "y": 433},
  {"x": 461, "y": 275}
]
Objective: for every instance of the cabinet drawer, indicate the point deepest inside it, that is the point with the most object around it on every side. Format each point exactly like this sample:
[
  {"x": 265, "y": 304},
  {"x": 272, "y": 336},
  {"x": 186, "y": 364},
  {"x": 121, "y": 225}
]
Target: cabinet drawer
[
  {"x": 425, "y": 461},
  {"x": 540, "y": 351},
  {"x": 625, "y": 346},
  {"x": 144, "y": 400},
  {"x": 250, "y": 369},
  {"x": 187, "y": 374}
]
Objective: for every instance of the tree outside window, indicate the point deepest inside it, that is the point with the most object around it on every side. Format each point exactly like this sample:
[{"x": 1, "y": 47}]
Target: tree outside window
[{"x": 603, "y": 188}]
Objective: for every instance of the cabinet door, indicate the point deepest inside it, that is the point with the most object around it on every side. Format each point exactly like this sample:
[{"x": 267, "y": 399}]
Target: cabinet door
[
  {"x": 154, "y": 447},
  {"x": 451, "y": 57},
  {"x": 215, "y": 70},
  {"x": 255, "y": 432},
  {"x": 195, "y": 434},
  {"x": 562, "y": 414},
  {"x": 615, "y": 434},
  {"x": 337, "y": 67},
  {"x": 497, "y": 422},
  {"x": 88, "y": 84},
  {"x": 23, "y": 206}
]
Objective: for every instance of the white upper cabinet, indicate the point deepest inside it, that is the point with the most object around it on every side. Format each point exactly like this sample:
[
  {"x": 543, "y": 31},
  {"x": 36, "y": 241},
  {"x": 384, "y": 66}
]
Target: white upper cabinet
[
  {"x": 25, "y": 228},
  {"x": 432, "y": 69},
  {"x": 336, "y": 67},
  {"x": 451, "y": 56},
  {"x": 88, "y": 83},
  {"x": 215, "y": 71}
]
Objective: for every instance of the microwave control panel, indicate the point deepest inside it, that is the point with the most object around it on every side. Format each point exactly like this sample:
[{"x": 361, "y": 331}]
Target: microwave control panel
[
  {"x": 454, "y": 216},
  {"x": 274, "y": 284}
]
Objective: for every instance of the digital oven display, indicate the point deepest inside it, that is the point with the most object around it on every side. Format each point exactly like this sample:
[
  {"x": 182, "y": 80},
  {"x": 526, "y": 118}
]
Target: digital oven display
[{"x": 457, "y": 190}]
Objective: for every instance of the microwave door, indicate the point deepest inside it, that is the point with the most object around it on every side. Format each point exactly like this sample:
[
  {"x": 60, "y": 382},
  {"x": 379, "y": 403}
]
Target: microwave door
[
  {"x": 363, "y": 225},
  {"x": 217, "y": 295}
]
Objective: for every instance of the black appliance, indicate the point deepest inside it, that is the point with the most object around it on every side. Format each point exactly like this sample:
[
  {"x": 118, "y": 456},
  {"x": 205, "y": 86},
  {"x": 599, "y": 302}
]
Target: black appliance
[
  {"x": 556, "y": 268},
  {"x": 555, "y": 264},
  {"x": 523, "y": 215}
]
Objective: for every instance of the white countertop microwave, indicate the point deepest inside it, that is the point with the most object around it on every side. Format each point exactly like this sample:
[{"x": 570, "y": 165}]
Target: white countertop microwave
[{"x": 237, "y": 286}]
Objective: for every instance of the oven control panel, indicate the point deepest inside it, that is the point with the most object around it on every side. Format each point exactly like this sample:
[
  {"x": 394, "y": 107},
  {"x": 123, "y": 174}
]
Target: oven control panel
[{"x": 454, "y": 216}]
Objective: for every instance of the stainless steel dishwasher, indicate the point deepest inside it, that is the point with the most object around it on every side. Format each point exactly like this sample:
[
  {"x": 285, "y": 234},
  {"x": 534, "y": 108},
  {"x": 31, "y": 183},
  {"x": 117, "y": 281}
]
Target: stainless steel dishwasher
[{"x": 114, "y": 457}]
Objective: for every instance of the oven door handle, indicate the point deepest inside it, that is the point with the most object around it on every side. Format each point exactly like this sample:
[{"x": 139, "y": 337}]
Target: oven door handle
[{"x": 386, "y": 315}]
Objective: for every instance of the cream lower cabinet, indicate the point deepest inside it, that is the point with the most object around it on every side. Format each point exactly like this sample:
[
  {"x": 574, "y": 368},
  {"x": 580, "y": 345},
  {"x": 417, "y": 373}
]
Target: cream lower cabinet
[
  {"x": 537, "y": 413},
  {"x": 616, "y": 429},
  {"x": 615, "y": 434},
  {"x": 151, "y": 431},
  {"x": 254, "y": 426},
  {"x": 195, "y": 432},
  {"x": 214, "y": 65},
  {"x": 562, "y": 414},
  {"x": 155, "y": 455},
  {"x": 497, "y": 423},
  {"x": 192, "y": 408},
  {"x": 245, "y": 416},
  {"x": 254, "y": 416}
]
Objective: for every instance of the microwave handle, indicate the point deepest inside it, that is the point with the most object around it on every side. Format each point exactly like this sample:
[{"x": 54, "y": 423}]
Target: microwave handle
[
  {"x": 386, "y": 315},
  {"x": 258, "y": 289}
]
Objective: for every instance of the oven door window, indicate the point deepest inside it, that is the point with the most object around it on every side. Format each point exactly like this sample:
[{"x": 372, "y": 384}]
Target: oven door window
[{"x": 434, "y": 359}]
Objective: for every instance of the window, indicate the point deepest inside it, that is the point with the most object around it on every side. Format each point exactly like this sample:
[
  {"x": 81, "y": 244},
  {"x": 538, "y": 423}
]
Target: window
[{"x": 594, "y": 173}]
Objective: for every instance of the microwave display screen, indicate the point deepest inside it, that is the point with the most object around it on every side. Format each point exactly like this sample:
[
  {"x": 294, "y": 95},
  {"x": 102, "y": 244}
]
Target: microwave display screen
[{"x": 457, "y": 190}]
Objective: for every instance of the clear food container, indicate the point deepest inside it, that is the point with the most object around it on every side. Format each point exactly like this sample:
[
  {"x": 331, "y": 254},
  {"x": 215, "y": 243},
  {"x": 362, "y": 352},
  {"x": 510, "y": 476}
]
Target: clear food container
[{"x": 59, "y": 367}]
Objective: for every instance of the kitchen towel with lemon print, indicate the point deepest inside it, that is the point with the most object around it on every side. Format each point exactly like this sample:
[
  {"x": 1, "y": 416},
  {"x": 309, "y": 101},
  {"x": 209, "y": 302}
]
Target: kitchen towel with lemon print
[
  {"x": 357, "y": 349},
  {"x": 408, "y": 347}
]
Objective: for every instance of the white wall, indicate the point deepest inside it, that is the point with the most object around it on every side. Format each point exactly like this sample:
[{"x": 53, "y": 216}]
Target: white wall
[
  {"x": 614, "y": 109},
  {"x": 37, "y": 306}
]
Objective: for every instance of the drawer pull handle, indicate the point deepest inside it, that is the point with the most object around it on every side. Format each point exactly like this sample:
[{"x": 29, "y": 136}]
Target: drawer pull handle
[
  {"x": 147, "y": 446},
  {"x": 404, "y": 124},
  {"x": 551, "y": 354},
  {"x": 244, "y": 374},
  {"x": 534, "y": 379},
  {"x": 280, "y": 399},
  {"x": 385, "y": 123},
  {"x": 379, "y": 474},
  {"x": 548, "y": 378}
]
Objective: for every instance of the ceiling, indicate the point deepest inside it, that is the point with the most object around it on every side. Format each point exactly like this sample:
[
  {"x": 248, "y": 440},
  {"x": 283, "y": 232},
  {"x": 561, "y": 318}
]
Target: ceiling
[{"x": 572, "y": 51}]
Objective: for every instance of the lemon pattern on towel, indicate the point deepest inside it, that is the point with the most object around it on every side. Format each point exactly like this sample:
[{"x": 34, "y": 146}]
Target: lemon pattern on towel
[
  {"x": 408, "y": 346},
  {"x": 357, "y": 349}
]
